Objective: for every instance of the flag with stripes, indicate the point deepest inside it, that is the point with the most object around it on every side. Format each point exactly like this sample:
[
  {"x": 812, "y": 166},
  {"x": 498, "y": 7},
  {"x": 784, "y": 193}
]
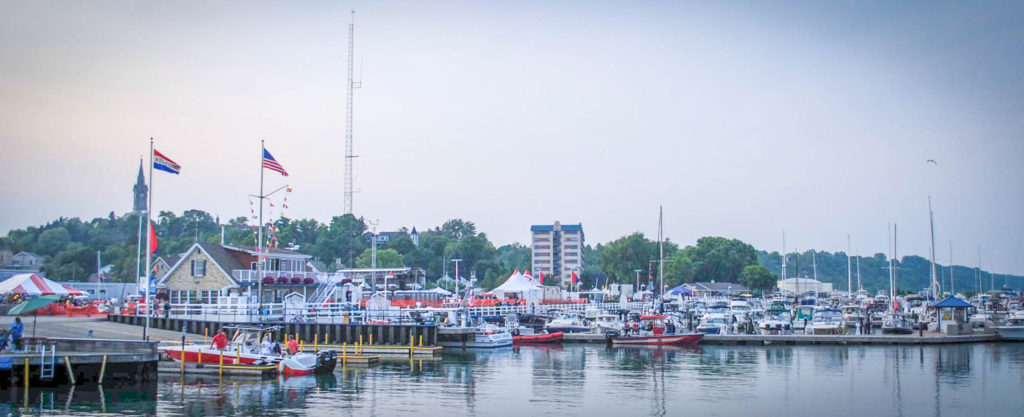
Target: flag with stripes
[
  {"x": 164, "y": 163},
  {"x": 270, "y": 163}
]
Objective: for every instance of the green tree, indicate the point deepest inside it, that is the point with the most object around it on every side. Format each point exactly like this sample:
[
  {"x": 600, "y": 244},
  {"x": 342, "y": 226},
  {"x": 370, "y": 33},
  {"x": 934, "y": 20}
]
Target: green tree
[
  {"x": 52, "y": 241},
  {"x": 623, "y": 255},
  {"x": 679, "y": 269},
  {"x": 386, "y": 258},
  {"x": 720, "y": 259},
  {"x": 758, "y": 278}
]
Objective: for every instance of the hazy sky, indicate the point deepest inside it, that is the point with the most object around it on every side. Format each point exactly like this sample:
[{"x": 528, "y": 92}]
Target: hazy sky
[{"x": 742, "y": 119}]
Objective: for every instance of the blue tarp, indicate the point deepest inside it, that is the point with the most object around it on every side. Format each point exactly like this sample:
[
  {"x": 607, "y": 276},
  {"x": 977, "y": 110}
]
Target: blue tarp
[
  {"x": 952, "y": 302},
  {"x": 680, "y": 290}
]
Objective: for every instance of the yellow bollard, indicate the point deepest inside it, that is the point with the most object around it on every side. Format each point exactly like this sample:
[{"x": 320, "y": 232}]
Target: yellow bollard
[
  {"x": 421, "y": 340},
  {"x": 200, "y": 353},
  {"x": 344, "y": 353},
  {"x": 238, "y": 358},
  {"x": 371, "y": 339},
  {"x": 325, "y": 338},
  {"x": 316, "y": 343},
  {"x": 360, "y": 343},
  {"x": 220, "y": 369},
  {"x": 297, "y": 336},
  {"x": 206, "y": 332},
  {"x": 300, "y": 346},
  {"x": 26, "y": 377},
  {"x": 103, "y": 370},
  {"x": 183, "y": 360},
  {"x": 411, "y": 350},
  {"x": 71, "y": 373}
]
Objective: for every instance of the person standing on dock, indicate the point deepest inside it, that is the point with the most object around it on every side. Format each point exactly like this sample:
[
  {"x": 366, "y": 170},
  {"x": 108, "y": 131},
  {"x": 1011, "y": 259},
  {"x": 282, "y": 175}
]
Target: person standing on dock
[
  {"x": 293, "y": 346},
  {"x": 16, "y": 329},
  {"x": 220, "y": 341}
]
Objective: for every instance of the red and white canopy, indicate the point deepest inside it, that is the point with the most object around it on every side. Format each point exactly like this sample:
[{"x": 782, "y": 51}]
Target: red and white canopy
[{"x": 35, "y": 284}]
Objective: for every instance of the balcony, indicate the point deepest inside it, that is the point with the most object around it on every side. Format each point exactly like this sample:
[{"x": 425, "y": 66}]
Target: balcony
[{"x": 252, "y": 275}]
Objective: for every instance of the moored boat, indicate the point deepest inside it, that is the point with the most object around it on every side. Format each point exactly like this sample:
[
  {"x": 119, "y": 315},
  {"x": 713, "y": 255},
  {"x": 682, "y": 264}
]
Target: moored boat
[
  {"x": 538, "y": 338},
  {"x": 659, "y": 340}
]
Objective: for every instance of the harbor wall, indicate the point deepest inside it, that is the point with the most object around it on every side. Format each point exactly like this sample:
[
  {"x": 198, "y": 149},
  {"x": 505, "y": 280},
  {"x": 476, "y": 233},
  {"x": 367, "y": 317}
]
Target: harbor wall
[{"x": 308, "y": 333}]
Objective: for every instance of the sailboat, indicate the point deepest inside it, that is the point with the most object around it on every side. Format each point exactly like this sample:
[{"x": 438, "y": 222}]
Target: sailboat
[{"x": 894, "y": 322}]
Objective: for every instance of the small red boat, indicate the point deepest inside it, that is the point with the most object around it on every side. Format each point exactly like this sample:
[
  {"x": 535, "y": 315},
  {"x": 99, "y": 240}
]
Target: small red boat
[
  {"x": 538, "y": 338},
  {"x": 660, "y": 340}
]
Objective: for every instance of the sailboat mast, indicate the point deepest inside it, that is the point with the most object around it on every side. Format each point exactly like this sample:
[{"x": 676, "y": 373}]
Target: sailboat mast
[
  {"x": 859, "y": 287},
  {"x": 931, "y": 222},
  {"x": 661, "y": 254},
  {"x": 849, "y": 267},
  {"x": 784, "y": 255}
]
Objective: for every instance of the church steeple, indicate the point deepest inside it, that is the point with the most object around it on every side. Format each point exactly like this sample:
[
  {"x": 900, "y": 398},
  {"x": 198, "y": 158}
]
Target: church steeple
[{"x": 140, "y": 191}]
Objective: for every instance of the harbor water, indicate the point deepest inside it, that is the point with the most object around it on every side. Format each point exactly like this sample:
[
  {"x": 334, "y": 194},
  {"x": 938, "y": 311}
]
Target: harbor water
[{"x": 591, "y": 380}]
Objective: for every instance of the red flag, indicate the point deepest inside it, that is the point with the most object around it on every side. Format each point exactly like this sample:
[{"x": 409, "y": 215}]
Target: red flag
[
  {"x": 152, "y": 238},
  {"x": 574, "y": 278},
  {"x": 541, "y": 278}
]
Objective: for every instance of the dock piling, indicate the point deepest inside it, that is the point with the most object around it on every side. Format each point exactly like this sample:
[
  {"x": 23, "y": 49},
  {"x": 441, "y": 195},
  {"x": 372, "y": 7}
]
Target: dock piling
[
  {"x": 103, "y": 370},
  {"x": 71, "y": 373}
]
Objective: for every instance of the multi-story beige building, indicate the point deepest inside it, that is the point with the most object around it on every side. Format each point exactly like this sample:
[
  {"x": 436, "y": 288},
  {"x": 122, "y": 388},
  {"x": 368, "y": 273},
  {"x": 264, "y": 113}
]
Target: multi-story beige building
[{"x": 557, "y": 251}]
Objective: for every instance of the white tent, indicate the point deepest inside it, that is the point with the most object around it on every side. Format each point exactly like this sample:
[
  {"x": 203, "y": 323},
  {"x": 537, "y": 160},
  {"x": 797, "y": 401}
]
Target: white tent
[
  {"x": 440, "y": 290},
  {"x": 519, "y": 283}
]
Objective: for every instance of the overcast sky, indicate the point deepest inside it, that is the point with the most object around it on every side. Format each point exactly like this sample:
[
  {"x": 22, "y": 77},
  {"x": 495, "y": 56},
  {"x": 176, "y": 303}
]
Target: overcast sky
[{"x": 742, "y": 119}]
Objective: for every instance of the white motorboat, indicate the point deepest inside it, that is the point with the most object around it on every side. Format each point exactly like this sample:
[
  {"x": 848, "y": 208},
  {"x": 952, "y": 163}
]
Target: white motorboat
[
  {"x": 1014, "y": 328},
  {"x": 606, "y": 324},
  {"x": 739, "y": 310},
  {"x": 893, "y": 323},
  {"x": 484, "y": 336},
  {"x": 853, "y": 314},
  {"x": 828, "y": 321},
  {"x": 567, "y": 323},
  {"x": 777, "y": 321}
]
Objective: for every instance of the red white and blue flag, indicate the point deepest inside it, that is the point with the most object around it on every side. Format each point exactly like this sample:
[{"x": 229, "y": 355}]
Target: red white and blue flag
[
  {"x": 574, "y": 278},
  {"x": 270, "y": 163},
  {"x": 164, "y": 163}
]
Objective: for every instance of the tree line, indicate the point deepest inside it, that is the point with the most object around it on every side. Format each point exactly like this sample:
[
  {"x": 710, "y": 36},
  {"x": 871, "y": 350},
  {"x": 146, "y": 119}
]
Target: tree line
[{"x": 70, "y": 246}]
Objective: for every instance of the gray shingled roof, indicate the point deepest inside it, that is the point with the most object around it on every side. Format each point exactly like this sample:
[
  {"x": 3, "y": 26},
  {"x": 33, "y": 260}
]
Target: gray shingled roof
[{"x": 221, "y": 256}]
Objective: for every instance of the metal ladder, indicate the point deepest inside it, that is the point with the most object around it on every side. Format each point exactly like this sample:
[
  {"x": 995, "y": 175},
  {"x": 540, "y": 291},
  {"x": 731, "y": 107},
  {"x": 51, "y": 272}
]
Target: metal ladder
[{"x": 47, "y": 364}]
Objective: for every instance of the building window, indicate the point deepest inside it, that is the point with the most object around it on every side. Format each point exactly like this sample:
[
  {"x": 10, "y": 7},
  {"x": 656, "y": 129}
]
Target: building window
[
  {"x": 572, "y": 239},
  {"x": 542, "y": 246},
  {"x": 568, "y": 254},
  {"x": 570, "y": 261},
  {"x": 541, "y": 239},
  {"x": 199, "y": 268},
  {"x": 572, "y": 246},
  {"x": 542, "y": 254},
  {"x": 569, "y": 232}
]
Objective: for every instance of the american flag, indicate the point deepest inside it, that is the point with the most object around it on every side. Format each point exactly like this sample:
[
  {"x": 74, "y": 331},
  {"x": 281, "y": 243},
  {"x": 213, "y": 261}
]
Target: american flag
[{"x": 270, "y": 163}]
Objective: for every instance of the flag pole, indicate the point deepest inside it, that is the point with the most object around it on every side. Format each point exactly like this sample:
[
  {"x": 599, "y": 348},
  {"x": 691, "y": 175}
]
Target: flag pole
[
  {"x": 259, "y": 238},
  {"x": 149, "y": 242}
]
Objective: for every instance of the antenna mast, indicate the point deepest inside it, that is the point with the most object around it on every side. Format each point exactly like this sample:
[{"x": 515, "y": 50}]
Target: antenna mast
[{"x": 348, "y": 118}]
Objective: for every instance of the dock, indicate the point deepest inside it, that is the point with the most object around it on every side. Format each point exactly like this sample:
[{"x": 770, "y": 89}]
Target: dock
[
  {"x": 65, "y": 361},
  {"x": 232, "y": 370}
]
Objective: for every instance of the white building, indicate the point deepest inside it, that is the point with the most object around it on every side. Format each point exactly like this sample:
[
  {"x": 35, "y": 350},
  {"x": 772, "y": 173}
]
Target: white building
[
  {"x": 557, "y": 251},
  {"x": 802, "y": 285}
]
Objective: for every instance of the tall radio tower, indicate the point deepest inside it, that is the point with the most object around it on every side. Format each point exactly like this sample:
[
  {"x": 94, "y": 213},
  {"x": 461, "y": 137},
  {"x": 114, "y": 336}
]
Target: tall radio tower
[{"x": 348, "y": 119}]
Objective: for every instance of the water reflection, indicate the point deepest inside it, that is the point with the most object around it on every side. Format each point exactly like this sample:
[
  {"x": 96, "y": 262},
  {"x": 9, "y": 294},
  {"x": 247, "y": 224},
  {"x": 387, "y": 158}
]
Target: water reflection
[
  {"x": 136, "y": 399},
  {"x": 599, "y": 380}
]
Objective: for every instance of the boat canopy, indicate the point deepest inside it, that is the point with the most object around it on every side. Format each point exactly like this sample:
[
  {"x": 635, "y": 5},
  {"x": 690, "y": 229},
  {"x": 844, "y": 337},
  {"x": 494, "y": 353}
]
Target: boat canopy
[{"x": 952, "y": 302}]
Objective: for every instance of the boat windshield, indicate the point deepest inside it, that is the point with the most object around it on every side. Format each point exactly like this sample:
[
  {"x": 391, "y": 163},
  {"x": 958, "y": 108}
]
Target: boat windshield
[
  {"x": 827, "y": 315},
  {"x": 778, "y": 315}
]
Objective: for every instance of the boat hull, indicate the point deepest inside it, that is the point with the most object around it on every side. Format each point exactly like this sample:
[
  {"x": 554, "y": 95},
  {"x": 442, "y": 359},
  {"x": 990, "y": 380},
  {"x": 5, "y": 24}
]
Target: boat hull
[
  {"x": 1011, "y": 332},
  {"x": 665, "y": 340},
  {"x": 538, "y": 338}
]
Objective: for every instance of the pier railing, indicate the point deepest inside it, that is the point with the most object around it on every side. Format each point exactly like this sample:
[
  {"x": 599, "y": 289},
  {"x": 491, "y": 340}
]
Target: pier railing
[{"x": 340, "y": 313}]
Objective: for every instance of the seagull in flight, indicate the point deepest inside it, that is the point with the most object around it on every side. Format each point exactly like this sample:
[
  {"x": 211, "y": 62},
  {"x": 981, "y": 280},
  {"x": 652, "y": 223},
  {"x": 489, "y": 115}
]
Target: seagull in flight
[{"x": 931, "y": 161}]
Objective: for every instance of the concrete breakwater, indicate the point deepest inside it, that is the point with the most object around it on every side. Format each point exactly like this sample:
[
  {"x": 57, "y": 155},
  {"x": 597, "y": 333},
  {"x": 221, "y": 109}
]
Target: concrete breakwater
[{"x": 308, "y": 333}]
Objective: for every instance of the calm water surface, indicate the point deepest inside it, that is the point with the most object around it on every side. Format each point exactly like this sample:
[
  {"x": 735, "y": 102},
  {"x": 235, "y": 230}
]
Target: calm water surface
[{"x": 982, "y": 379}]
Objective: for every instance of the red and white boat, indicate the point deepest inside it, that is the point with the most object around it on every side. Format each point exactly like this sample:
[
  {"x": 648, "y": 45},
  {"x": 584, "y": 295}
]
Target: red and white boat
[
  {"x": 661, "y": 340},
  {"x": 656, "y": 336},
  {"x": 538, "y": 338},
  {"x": 244, "y": 349}
]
